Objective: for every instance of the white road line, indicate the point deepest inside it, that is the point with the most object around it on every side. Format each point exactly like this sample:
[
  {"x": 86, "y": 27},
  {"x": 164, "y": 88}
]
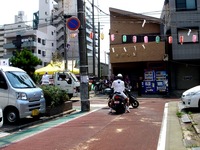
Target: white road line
[
  {"x": 2, "y": 134},
  {"x": 162, "y": 137}
]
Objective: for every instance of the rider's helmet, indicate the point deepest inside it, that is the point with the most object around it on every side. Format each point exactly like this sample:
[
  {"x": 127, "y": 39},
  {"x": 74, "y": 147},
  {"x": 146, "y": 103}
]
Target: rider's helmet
[{"x": 119, "y": 76}]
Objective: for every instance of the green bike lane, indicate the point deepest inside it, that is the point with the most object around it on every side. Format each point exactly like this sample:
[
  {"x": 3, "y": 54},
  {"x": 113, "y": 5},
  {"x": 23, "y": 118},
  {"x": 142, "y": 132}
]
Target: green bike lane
[{"x": 22, "y": 134}]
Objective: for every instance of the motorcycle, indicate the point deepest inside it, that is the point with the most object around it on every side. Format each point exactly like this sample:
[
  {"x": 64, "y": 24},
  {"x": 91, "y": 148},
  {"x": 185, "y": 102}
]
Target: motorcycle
[
  {"x": 132, "y": 99},
  {"x": 118, "y": 103}
]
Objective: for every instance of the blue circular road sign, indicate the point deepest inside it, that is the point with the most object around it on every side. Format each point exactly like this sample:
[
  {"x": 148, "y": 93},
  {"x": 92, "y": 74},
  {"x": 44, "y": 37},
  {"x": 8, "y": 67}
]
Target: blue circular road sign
[{"x": 73, "y": 23}]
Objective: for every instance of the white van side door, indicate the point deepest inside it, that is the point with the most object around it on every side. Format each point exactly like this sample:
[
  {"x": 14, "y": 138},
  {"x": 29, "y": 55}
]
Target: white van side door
[{"x": 4, "y": 91}]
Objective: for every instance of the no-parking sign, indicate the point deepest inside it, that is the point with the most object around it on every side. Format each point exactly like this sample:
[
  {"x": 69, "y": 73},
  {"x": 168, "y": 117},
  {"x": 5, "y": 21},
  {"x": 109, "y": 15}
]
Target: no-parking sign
[{"x": 73, "y": 23}]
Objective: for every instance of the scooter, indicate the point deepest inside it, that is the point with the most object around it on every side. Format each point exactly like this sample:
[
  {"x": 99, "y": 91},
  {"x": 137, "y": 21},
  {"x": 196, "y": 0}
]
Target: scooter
[
  {"x": 117, "y": 103},
  {"x": 117, "y": 100},
  {"x": 132, "y": 99}
]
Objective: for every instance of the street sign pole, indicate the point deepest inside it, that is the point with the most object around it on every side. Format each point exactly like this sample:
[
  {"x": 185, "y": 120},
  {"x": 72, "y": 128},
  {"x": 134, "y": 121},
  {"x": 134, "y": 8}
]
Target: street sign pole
[{"x": 84, "y": 79}]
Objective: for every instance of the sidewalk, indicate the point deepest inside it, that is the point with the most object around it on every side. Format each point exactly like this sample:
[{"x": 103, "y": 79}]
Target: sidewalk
[{"x": 174, "y": 133}]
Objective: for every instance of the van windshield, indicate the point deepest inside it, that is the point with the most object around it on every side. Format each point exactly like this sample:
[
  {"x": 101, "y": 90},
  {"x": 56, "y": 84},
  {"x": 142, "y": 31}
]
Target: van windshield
[
  {"x": 20, "y": 79},
  {"x": 74, "y": 77}
]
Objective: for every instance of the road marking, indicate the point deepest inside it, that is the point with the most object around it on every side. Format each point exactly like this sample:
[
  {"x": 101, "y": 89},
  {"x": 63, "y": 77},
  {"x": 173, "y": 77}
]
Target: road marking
[
  {"x": 34, "y": 130},
  {"x": 2, "y": 134},
  {"x": 163, "y": 131}
]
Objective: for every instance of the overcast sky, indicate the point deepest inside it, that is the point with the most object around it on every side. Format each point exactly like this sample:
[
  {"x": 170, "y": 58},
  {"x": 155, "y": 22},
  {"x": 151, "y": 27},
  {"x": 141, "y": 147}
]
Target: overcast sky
[{"x": 10, "y": 8}]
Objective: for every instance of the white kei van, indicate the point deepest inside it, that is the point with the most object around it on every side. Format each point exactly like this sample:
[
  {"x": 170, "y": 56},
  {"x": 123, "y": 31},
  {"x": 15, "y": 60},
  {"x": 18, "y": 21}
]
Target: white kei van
[
  {"x": 67, "y": 81},
  {"x": 19, "y": 96}
]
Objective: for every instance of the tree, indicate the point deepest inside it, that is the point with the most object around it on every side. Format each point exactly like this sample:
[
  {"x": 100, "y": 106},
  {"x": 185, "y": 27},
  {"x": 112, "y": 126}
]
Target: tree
[
  {"x": 26, "y": 61},
  {"x": 57, "y": 57}
]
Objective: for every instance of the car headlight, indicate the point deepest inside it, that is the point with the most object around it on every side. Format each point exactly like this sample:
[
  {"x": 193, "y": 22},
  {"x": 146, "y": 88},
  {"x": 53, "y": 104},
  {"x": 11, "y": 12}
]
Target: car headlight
[
  {"x": 22, "y": 96},
  {"x": 42, "y": 95}
]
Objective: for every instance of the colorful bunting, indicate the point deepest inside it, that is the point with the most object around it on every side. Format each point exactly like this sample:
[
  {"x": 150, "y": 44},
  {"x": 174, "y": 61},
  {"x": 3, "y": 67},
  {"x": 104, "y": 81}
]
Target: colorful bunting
[
  {"x": 112, "y": 37},
  {"x": 134, "y": 39},
  {"x": 145, "y": 39},
  {"x": 181, "y": 39},
  {"x": 170, "y": 39},
  {"x": 194, "y": 38},
  {"x": 157, "y": 39}
]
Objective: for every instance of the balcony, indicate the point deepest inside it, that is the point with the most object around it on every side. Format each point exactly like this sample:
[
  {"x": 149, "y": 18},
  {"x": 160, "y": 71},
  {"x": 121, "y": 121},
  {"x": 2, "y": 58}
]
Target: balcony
[{"x": 26, "y": 44}]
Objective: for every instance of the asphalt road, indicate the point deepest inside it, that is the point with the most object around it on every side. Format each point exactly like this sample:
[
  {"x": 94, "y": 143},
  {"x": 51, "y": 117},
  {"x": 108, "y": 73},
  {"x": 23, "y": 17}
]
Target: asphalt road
[{"x": 96, "y": 129}]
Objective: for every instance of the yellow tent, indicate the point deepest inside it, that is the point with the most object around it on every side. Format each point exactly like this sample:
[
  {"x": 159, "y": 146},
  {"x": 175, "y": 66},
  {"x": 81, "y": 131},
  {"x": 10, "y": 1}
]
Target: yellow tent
[
  {"x": 75, "y": 70},
  {"x": 50, "y": 69}
]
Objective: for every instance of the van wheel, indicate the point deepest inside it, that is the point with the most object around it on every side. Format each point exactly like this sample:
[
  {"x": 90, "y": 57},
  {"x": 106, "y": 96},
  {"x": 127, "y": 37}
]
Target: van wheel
[{"x": 11, "y": 116}]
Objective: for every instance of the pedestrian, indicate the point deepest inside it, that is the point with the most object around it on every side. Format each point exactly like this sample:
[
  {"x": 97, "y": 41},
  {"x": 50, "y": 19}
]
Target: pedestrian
[
  {"x": 127, "y": 81},
  {"x": 140, "y": 86},
  {"x": 45, "y": 79}
]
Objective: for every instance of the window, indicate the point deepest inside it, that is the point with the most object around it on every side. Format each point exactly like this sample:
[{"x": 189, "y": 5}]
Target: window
[
  {"x": 39, "y": 40},
  {"x": 182, "y": 5},
  {"x": 3, "y": 84},
  {"x": 20, "y": 79},
  {"x": 188, "y": 37},
  {"x": 52, "y": 44},
  {"x": 43, "y": 53},
  {"x": 43, "y": 42},
  {"x": 39, "y": 51}
]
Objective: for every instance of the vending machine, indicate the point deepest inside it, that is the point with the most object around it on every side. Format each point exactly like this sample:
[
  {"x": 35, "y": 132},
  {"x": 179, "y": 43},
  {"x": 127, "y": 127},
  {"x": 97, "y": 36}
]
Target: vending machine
[
  {"x": 161, "y": 81},
  {"x": 149, "y": 82}
]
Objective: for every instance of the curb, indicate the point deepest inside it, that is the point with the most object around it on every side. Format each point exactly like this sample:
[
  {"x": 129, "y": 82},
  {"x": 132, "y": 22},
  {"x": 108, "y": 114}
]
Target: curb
[{"x": 42, "y": 120}]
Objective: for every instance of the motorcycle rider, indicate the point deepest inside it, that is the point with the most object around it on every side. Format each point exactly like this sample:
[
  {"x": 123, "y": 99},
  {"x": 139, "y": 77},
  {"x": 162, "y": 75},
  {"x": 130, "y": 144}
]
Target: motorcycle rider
[{"x": 119, "y": 86}]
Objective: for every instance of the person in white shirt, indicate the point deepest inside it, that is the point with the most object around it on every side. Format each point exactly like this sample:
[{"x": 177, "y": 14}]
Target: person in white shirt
[
  {"x": 119, "y": 86},
  {"x": 45, "y": 79}
]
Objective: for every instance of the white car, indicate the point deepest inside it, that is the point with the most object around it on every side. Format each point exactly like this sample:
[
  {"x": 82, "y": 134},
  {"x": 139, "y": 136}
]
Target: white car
[{"x": 191, "y": 97}]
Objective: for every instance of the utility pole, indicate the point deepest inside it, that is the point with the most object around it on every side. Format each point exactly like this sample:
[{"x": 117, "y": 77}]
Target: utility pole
[
  {"x": 84, "y": 90},
  {"x": 93, "y": 39},
  {"x": 99, "y": 66}
]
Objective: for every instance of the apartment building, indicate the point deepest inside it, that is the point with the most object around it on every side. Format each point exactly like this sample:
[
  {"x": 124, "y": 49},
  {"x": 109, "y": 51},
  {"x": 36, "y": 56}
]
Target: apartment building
[
  {"x": 42, "y": 42},
  {"x": 137, "y": 46},
  {"x": 67, "y": 40},
  {"x": 50, "y": 34},
  {"x": 1, "y": 41},
  {"x": 181, "y": 21}
]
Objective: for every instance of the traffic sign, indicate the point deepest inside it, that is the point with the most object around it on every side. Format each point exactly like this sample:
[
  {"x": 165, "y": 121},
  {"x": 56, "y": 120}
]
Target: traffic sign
[{"x": 73, "y": 23}]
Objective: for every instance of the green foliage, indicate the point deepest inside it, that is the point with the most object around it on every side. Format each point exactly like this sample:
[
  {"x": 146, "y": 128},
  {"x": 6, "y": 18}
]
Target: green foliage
[
  {"x": 37, "y": 78},
  {"x": 179, "y": 114},
  {"x": 54, "y": 96},
  {"x": 26, "y": 61}
]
